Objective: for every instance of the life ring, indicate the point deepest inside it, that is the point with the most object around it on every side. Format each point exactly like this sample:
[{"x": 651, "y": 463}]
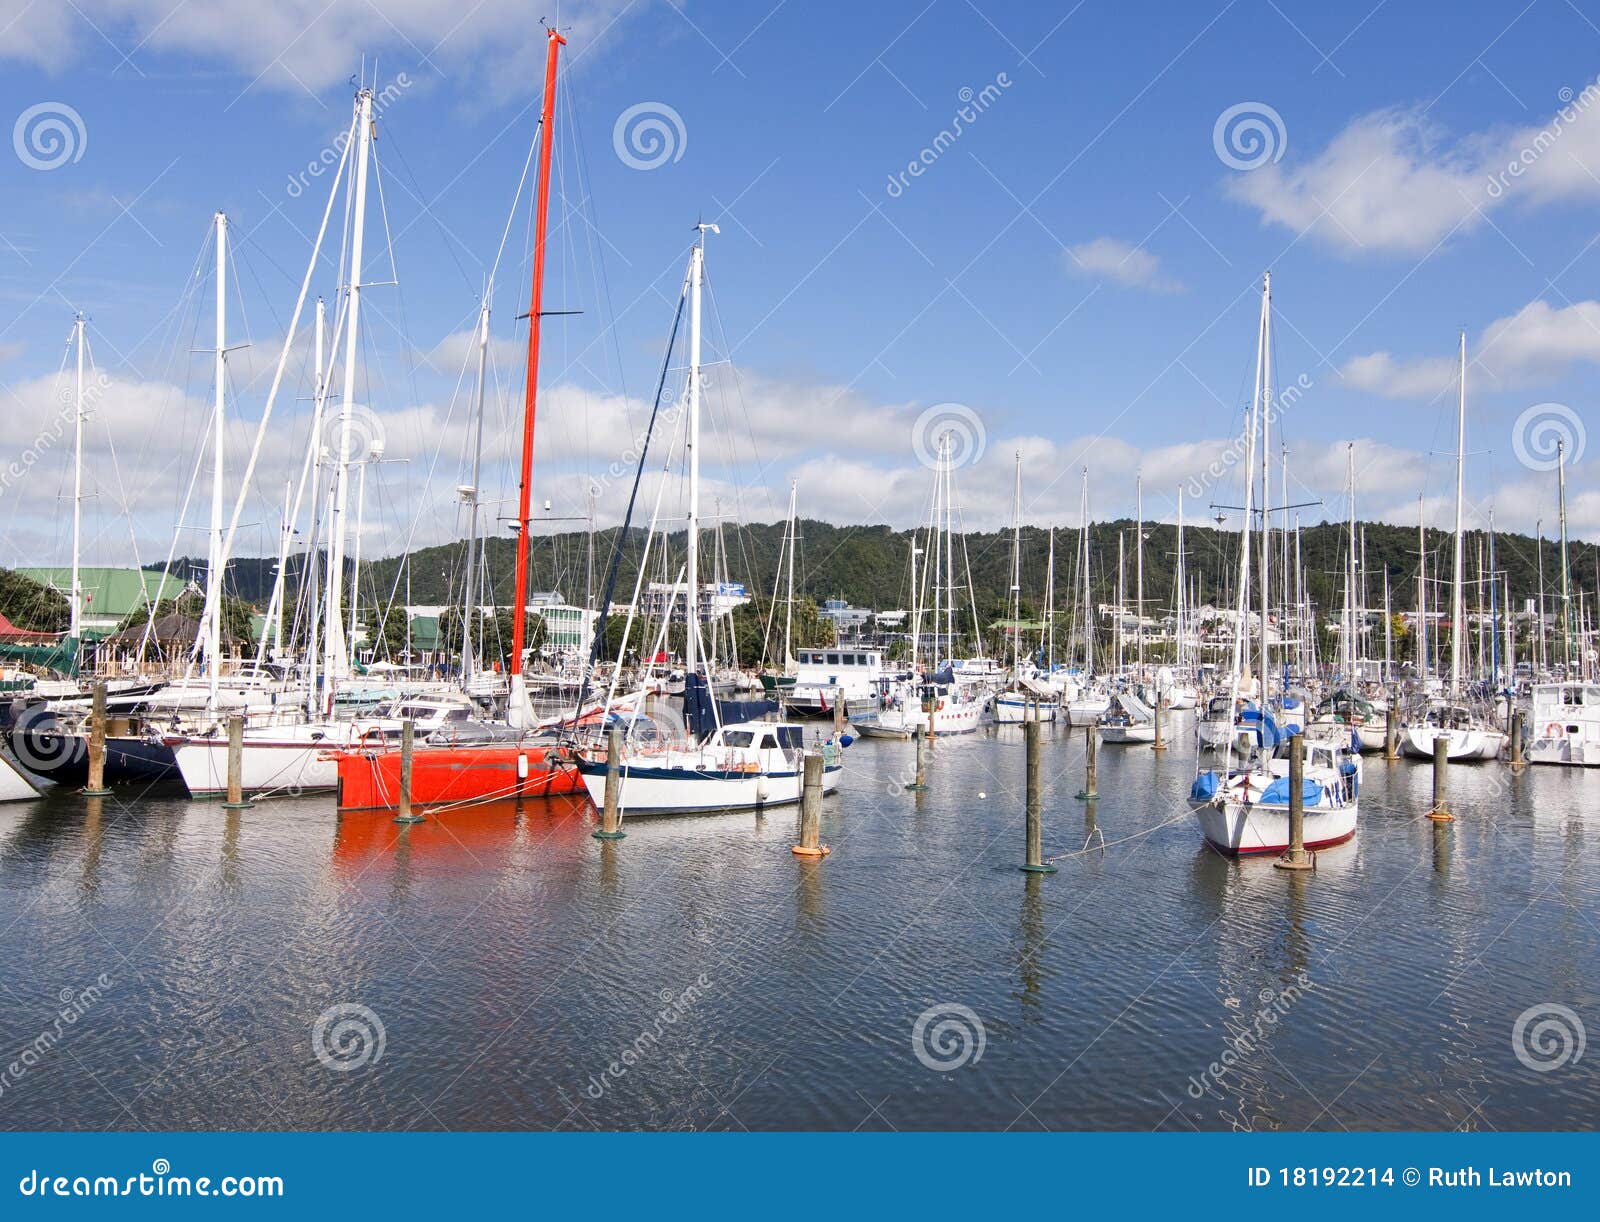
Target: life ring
[{"x": 1555, "y": 730}]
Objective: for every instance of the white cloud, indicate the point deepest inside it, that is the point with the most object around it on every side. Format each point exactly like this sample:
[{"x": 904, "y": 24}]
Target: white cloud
[
  {"x": 310, "y": 44},
  {"x": 1538, "y": 341},
  {"x": 1393, "y": 181},
  {"x": 1114, "y": 259}
]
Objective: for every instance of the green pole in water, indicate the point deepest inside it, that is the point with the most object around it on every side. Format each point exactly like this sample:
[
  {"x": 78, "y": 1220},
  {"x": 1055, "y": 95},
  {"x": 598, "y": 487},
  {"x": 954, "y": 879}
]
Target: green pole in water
[
  {"x": 611, "y": 814},
  {"x": 408, "y": 743},
  {"x": 1088, "y": 793},
  {"x": 96, "y": 788},
  {"x": 1035, "y": 862},
  {"x": 1296, "y": 857}
]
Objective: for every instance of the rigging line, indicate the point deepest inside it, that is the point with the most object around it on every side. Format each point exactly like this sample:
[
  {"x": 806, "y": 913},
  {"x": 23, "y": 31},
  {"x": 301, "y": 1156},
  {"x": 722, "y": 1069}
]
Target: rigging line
[
  {"x": 116, "y": 468},
  {"x": 450, "y": 242},
  {"x": 627, "y": 518}
]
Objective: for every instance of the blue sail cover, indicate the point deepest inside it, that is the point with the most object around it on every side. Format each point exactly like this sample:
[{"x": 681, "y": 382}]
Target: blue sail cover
[
  {"x": 1204, "y": 787},
  {"x": 702, "y": 714},
  {"x": 1277, "y": 793},
  {"x": 1268, "y": 732}
]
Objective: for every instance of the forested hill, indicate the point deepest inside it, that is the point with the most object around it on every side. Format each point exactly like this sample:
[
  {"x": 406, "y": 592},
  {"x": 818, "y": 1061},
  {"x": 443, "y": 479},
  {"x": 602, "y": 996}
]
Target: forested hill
[{"x": 868, "y": 566}]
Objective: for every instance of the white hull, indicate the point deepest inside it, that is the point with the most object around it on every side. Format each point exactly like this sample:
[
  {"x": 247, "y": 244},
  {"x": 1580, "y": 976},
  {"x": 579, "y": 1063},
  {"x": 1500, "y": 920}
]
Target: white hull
[
  {"x": 14, "y": 787},
  {"x": 1117, "y": 735},
  {"x": 1236, "y": 828},
  {"x": 1013, "y": 711},
  {"x": 263, "y": 765},
  {"x": 1086, "y": 712},
  {"x": 1465, "y": 745},
  {"x": 650, "y": 791},
  {"x": 1573, "y": 752}
]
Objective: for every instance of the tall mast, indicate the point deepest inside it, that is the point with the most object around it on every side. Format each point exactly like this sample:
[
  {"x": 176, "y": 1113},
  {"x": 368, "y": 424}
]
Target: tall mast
[
  {"x": 1048, "y": 636},
  {"x": 1265, "y": 414},
  {"x": 213, "y": 625},
  {"x": 1178, "y": 649},
  {"x": 76, "y": 594},
  {"x": 474, "y": 498},
  {"x": 1138, "y": 586},
  {"x": 1566, "y": 574},
  {"x": 788, "y": 603},
  {"x": 1088, "y": 608},
  {"x": 1422, "y": 593},
  {"x": 336, "y": 654},
  {"x": 1016, "y": 569},
  {"x": 1457, "y": 600},
  {"x": 1350, "y": 567},
  {"x": 517, "y": 703},
  {"x": 314, "y": 511},
  {"x": 697, "y": 258},
  {"x": 1122, "y": 612}
]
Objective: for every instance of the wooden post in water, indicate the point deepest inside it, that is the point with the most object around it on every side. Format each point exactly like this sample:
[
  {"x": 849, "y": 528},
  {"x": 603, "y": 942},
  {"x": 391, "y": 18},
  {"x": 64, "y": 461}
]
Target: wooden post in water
[
  {"x": 1441, "y": 780},
  {"x": 1034, "y": 862},
  {"x": 920, "y": 735},
  {"x": 611, "y": 814},
  {"x": 1391, "y": 729},
  {"x": 408, "y": 745},
  {"x": 811, "y": 810},
  {"x": 96, "y": 788},
  {"x": 838, "y": 710},
  {"x": 1296, "y": 857},
  {"x": 236, "y": 764},
  {"x": 1518, "y": 763},
  {"x": 1160, "y": 743},
  {"x": 1089, "y": 792}
]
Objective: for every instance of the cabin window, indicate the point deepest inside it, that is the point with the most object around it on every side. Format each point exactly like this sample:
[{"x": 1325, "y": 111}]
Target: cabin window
[
  {"x": 738, "y": 738},
  {"x": 769, "y": 743},
  {"x": 791, "y": 737},
  {"x": 833, "y": 659}
]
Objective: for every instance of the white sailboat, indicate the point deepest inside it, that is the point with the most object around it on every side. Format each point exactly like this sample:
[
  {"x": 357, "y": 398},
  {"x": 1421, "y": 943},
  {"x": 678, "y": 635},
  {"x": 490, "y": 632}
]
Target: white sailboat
[
  {"x": 1469, "y": 735},
  {"x": 737, "y": 766},
  {"x": 1243, "y": 806}
]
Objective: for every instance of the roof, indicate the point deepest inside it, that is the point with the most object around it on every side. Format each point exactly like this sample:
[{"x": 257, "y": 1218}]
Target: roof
[
  {"x": 12, "y": 635},
  {"x": 109, "y": 593}
]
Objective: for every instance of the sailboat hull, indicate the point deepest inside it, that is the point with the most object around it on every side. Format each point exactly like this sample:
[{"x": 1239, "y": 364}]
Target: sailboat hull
[
  {"x": 1470, "y": 745},
  {"x": 370, "y": 780},
  {"x": 684, "y": 791},
  {"x": 1014, "y": 710},
  {"x": 1242, "y": 830}
]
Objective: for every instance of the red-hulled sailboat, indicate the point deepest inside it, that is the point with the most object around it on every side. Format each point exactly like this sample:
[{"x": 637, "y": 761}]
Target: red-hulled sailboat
[{"x": 526, "y": 763}]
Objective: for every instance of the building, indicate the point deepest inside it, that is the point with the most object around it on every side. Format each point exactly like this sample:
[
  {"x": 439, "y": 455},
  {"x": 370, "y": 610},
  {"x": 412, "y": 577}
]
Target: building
[
  {"x": 110, "y": 595},
  {"x": 717, "y": 598}
]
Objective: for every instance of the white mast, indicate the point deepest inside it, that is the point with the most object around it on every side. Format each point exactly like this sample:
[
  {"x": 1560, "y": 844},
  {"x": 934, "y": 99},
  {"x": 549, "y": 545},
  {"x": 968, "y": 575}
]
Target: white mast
[
  {"x": 1088, "y": 608},
  {"x": 473, "y": 495},
  {"x": 1422, "y": 594},
  {"x": 336, "y": 654},
  {"x": 788, "y": 605},
  {"x": 1048, "y": 636},
  {"x": 1350, "y": 566},
  {"x": 213, "y": 624},
  {"x": 1265, "y": 414},
  {"x": 692, "y": 567},
  {"x": 1138, "y": 547},
  {"x": 1178, "y": 650},
  {"x": 319, "y": 395},
  {"x": 1457, "y": 604},
  {"x": 1016, "y": 571},
  {"x": 76, "y": 594}
]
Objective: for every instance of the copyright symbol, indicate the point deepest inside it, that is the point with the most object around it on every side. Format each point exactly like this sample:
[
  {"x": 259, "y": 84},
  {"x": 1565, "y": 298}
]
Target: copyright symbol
[{"x": 1411, "y": 1176}]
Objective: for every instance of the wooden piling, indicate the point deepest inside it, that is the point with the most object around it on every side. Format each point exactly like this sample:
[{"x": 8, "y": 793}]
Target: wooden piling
[
  {"x": 1160, "y": 743},
  {"x": 920, "y": 736},
  {"x": 96, "y": 788},
  {"x": 611, "y": 813},
  {"x": 408, "y": 745},
  {"x": 1441, "y": 780},
  {"x": 1296, "y": 857},
  {"x": 236, "y": 764},
  {"x": 1033, "y": 801},
  {"x": 1391, "y": 729},
  {"x": 811, "y": 810},
  {"x": 838, "y": 710},
  {"x": 1518, "y": 762},
  {"x": 1089, "y": 792}
]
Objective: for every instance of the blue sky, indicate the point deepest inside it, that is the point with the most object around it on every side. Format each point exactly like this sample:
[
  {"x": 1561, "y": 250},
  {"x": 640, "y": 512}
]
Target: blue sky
[{"x": 1078, "y": 269}]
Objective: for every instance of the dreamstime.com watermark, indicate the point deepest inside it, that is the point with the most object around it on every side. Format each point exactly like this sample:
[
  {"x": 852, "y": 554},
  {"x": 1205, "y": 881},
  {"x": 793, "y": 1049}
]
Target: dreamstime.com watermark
[
  {"x": 1544, "y": 139},
  {"x": 347, "y": 1036},
  {"x": 47, "y": 438},
  {"x": 676, "y": 1006},
  {"x": 1547, "y": 435},
  {"x": 973, "y": 103},
  {"x": 333, "y": 153},
  {"x": 1248, "y": 135},
  {"x": 157, "y": 1182},
  {"x": 947, "y": 1036},
  {"x": 648, "y": 135},
  {"x": 75, "y": 1003},
  {"x": 1239, "y": 448},
  {"x": 948, "y": 436},
  {"x": 1548, "y": 1037},
  {"x": 49, "y": 135},
  {"x": 1241, "y": 1045}
]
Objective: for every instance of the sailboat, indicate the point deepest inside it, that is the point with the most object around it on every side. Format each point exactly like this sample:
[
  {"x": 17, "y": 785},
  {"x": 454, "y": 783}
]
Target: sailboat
[
  {"x": 1243, "y": 806},
  {"x": 723, "y": 767},
  {"x": 1083, "y": 695},
  {"x": 1469, "y": 734},
  {"x": 1026, "y": 698},
  {"x": 521, "y": 758}
]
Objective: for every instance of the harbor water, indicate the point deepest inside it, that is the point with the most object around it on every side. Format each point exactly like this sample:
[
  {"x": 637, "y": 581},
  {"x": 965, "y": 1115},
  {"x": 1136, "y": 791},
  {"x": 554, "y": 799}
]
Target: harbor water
[{"x": 173, "y": 965}]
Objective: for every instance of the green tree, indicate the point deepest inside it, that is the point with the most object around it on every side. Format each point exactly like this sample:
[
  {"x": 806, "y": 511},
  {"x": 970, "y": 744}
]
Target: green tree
[{"x": 31, "y": 606}]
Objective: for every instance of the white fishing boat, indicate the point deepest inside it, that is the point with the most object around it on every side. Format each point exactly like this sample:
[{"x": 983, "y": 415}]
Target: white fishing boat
[
  {"x": 748, "y": 765},
  {"x": 1565, "y": 724},
  {"x": 1129, "y": 720},
  {"x": 823, "y": 677},
  {"x": 14, "y": 786}
]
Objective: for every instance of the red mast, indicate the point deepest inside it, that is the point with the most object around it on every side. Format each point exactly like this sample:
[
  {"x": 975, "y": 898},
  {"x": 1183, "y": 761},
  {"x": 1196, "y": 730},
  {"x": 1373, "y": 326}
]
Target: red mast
[{"x": 519, "y": 613}]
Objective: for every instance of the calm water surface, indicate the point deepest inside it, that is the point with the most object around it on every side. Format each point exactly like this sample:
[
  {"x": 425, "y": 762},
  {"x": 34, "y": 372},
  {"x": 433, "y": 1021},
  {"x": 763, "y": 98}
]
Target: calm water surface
[{"x": 696, "y": 975}]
